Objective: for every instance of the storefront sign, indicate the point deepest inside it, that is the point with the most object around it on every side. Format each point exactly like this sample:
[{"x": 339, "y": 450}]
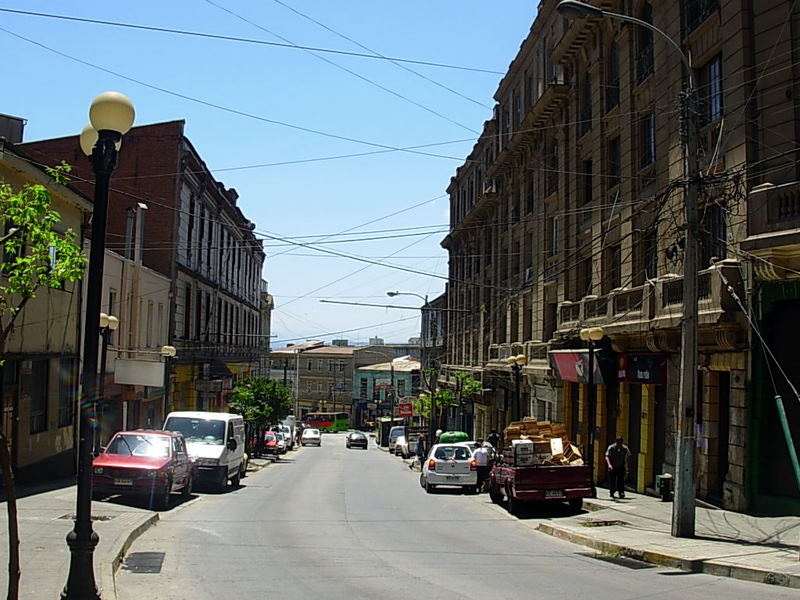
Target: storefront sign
[
  {"x": 573, "y": 365},
  {"x": 642, "y": 368}
]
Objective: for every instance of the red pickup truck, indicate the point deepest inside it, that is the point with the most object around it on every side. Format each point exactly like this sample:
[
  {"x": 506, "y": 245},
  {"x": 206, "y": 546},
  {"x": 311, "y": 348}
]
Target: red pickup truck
[{"x": 551, "y": 483}]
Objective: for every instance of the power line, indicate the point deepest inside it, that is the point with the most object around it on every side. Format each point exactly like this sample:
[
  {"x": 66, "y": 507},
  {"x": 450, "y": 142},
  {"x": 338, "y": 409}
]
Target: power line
[{"x": 228, "y": 38}]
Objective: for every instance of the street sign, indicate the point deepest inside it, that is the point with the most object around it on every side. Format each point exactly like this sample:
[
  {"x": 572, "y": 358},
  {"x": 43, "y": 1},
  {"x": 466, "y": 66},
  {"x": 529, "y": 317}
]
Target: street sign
[{"x": 405, "y": 409}]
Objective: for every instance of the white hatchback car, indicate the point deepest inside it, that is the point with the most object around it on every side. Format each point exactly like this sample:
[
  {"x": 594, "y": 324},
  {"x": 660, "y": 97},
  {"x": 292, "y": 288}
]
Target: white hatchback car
[
  {"x": 311, "y": 436},
  {"x": 450, "y": 464}
]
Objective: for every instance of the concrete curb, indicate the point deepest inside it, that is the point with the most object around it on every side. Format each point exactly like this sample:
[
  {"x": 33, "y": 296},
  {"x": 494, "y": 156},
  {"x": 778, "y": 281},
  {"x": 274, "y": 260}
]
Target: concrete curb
[
  {"x": 707, "y": 566},
  {"x": 108, "y": 584}
]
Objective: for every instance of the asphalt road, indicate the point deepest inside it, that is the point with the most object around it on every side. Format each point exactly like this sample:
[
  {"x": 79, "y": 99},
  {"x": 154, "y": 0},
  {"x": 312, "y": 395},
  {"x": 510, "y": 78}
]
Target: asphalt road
[{"x": 332, "y": 523}]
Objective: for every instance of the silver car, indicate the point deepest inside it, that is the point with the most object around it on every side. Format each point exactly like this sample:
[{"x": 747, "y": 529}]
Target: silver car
[
  {"x": 449, "y": 464},
  {"x": 311, "y": 437}
]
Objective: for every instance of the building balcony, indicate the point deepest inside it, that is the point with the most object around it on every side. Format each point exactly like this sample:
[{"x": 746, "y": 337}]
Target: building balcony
[
  {"x": 657, "y": 303},
  {"x": 773, "y": 230}
]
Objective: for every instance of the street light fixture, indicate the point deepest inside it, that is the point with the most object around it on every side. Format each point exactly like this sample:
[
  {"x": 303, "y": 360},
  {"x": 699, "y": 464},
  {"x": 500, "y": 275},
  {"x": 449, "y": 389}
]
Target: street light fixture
[
  {"x": 683, "y": 512},
  {"x": 516, "y": 363},
  {"x": 591, "y": 335},
  {"x": 111, "y": 115},
  {"x": 108, "y": 324}
]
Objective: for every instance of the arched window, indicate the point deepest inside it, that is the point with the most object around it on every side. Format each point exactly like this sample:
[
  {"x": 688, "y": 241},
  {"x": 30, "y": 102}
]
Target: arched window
[
  {"x": 612, "y": 77},
  {"x": 644, "y": 55}
]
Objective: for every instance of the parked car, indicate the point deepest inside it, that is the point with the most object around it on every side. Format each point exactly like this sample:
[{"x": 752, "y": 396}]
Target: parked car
[
  {"x": 311, "y": 436},
  {"x": 287, "y": 434},
  {"x": 143, "y": 463},
  {"x": 449, "y": 464},
  {"x": 401, "y": 447},
  {"x": 394, "y": 433},
  {"x": 217, "y": 440},
  {"x": 356, "y": 439},
  {"x": 282, "y": 444},
  {"x": 271, "y": 444}
]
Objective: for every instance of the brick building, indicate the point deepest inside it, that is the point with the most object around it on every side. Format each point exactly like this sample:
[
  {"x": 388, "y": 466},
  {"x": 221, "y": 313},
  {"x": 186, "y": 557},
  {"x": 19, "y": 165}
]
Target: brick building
[
  {"x": 194, "y": 233},
  {"x": 568, "y": 214}
]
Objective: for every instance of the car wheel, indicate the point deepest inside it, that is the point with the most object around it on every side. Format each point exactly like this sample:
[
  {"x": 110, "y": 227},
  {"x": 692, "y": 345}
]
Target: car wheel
[
  {"x": 162, "y": 500},
  {"x": 222, "y": 482},
  {"x": 512, "y": 504},
  {"x": 187, "y": 487},
  {"x": 495, "y": 495},
  {"x": 576, "y": 504},
  {"x": 429, "y": 487},
  {"x": 421, "y": 481},
  {"x": 237, "y": 478}
]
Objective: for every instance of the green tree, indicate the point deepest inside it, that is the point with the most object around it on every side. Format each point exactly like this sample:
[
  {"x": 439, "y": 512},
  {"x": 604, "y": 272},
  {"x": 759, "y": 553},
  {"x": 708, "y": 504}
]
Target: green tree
[
  {"x": 443, "y": 398},
  {"x": 260, "y": 400},
  {"x": 34, "y": 256}
]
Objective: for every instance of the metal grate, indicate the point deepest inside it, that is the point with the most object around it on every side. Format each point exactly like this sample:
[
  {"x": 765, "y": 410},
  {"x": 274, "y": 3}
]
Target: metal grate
[{"x": 144, "y": 562}]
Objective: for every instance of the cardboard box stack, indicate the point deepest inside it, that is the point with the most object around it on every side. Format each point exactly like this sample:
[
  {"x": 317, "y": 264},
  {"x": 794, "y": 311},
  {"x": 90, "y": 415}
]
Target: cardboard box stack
[{"x": 541, "y": 443}]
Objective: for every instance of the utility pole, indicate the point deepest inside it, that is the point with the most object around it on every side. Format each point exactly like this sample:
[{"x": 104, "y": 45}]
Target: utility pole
[{"x": 683, "y": 509}]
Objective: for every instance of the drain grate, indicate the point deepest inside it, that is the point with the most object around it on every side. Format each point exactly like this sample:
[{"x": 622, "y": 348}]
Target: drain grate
[
  {"x": 94, "y": 517},
  {"x": 622, "y": 561},
  {"x": 609, "y": 523},
  {"x": 144, "y": 562}
]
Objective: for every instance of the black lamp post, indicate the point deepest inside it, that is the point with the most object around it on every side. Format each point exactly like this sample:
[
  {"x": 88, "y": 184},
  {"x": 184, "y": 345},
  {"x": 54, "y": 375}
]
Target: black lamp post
[
  {"x": 111, "y": 115},
  {"x": 108, "y": 324},
  {"x": 516, "y": 363}
]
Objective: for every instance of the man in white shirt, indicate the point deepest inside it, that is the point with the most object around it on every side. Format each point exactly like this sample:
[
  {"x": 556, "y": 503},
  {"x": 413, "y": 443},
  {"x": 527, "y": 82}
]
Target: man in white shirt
[{"x": 481, "y": 456}]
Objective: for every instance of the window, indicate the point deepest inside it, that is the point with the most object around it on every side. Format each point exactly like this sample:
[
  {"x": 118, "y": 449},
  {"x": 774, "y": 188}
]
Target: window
[
  {"x": 320, "y": 386},
  {"x": 187, "y": 311},
  {"x": 650, "y": 249},
  {"x": 697, "y": 11},
  {"x": 613, "y": 267},
  {"x": 586, "y": 178},
  {"x": 613, "y": 162},
  {"x": 551, "y": 168},
  {"x": 554, "y": 233},
  {"x": 309, "y": 386},
  {"x": 67, "y": 389},
  {"x": 517, "y": 109},
  {"x": 362, "y": 388},
  {"x": 584, "y": 277},
  {"x": 644, "y": 58},
  {"x": 310, "y": 364},
  {"x": 320, "y": 364},
  {"x": 713, "y": 235},
  {"x": 401, "y": 388},
  {"x": 330, "y": 365},
  {"x": 37, "y": 386},
  {"x": 586, "y": 104},
  {"x": 149, "y": 325},
  {"x": 612, "y": 77},
  {"x": 529, "y": 198},
  {"x": 341, "y": 367},
  {"x": 710, "y": 80},
  {"x": 647, "y": 140},
  {"x": 129, "y": 221}
]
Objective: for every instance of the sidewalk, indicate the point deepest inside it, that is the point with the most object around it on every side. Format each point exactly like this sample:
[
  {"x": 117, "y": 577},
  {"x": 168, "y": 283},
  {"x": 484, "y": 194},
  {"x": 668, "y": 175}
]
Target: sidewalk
[
  {"x": 762, "y": 549},
  {"x": 45, "y": 518}
]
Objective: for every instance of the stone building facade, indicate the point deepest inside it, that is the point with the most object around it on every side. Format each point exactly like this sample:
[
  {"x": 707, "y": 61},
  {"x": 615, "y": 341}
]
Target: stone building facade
[
  {"x": 568, "y": 214},
  {"x": 194, "y": 233}
]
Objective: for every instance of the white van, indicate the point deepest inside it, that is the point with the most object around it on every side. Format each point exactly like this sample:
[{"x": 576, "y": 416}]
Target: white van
[{"x": 216, "y": 440}]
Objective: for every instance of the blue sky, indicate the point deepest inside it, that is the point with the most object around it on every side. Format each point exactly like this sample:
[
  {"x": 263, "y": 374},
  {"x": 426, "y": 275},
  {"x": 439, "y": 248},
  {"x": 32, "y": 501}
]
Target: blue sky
[{"x": 52, "y": 76}]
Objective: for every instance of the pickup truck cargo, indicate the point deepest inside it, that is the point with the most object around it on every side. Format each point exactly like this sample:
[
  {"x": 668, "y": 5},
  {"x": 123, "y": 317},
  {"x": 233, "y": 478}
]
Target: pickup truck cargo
[{"x": 550, "y": 483}]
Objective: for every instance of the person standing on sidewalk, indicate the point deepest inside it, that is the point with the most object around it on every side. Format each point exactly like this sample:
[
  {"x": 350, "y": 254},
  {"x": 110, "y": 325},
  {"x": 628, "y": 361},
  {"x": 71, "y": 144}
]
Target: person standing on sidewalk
[
  {"x": 419, "y": 451},
  {"x": 481, "y": 456},
  {"x": 618, "y": 458}
]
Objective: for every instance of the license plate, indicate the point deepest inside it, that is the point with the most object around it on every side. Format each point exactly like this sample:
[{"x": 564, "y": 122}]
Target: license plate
[
  {"x": 123, "y": 482},
  {"x": 553, "y": 493}
]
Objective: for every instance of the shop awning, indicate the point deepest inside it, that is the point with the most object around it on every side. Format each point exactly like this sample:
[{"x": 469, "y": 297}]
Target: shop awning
[{"x": 573, "y": 365}]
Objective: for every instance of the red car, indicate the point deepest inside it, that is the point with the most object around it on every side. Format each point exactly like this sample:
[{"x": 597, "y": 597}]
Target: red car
[
  {"x": 271, "y": 444},
  {"x": 145, "y": 464}
]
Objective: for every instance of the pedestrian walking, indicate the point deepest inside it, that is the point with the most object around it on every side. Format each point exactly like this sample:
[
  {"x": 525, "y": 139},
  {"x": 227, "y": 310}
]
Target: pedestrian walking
[
  {"x": 419, "y": 451},
  {"x": 481, "y": 456},
  {"x": 618, "y": 459},
  {"x": 494, "y": 439}
]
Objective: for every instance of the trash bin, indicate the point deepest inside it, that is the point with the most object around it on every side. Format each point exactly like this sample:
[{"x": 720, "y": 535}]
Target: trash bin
[{"x": 664, "y": 486}]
